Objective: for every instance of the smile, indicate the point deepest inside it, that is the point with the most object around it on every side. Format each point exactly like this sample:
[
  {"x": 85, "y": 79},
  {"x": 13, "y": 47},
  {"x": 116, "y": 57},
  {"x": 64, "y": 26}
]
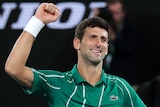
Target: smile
[{"x": 96, "y": 51}]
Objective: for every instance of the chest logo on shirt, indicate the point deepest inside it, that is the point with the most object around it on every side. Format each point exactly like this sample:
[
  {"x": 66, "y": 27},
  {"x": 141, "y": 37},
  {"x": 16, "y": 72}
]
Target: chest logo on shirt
[{"x": 113, "y": 97}]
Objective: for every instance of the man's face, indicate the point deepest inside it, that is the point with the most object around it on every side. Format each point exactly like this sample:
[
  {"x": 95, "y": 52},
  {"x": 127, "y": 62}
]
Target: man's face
[
  {"x": 117, "y": 12},
  {"x": 94, "y": 45}
]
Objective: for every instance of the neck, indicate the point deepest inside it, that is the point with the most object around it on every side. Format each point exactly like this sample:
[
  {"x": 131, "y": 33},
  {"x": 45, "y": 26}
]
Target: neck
[{"x": 90, "y": 72}]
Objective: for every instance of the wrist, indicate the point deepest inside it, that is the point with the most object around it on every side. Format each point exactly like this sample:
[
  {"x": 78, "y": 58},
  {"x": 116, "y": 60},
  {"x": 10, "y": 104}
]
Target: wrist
[{"x": 34, "y": 26}]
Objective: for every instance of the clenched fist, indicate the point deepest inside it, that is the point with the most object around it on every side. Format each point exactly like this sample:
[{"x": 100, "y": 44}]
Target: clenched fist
[{"x": 47, "y": 12}]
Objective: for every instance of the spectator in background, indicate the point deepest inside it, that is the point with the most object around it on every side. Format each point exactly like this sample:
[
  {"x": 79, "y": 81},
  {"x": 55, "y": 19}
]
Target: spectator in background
[{"x": 125, "y": 43}]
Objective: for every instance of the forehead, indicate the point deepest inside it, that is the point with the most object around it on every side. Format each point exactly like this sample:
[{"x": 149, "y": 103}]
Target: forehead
[{"x": 96, "y": 31}]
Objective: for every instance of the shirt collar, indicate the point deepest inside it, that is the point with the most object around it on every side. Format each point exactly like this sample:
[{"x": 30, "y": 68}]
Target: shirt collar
[{"x": 79, "y": 79}]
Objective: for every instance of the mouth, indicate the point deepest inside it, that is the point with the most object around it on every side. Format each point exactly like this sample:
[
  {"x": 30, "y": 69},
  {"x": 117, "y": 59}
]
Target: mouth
[{"x": 96, "y": 51}]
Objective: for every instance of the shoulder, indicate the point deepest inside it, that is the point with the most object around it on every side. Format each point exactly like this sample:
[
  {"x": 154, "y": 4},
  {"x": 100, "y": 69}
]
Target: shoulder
[
  {"x": 113, "y": 77},
  {"x": 116, "y": 80},
  {"x": 48, "y": 73},
  {"x": 119, "y": 84}
]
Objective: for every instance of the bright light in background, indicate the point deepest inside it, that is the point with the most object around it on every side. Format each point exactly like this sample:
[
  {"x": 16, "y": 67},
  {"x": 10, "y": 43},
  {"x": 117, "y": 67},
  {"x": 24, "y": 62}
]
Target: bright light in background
[{"x": 27, "y": 9}]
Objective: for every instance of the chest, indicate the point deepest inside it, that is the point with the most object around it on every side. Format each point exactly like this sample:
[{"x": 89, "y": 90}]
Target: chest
[{"x": 83, "y": 95}]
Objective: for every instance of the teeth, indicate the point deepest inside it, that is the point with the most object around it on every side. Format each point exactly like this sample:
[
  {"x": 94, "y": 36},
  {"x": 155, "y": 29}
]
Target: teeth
[{"x": 96, "y": 51}]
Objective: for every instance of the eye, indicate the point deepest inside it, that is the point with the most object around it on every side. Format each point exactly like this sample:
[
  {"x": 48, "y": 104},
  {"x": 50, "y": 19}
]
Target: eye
[
  {"x": 92, "y": 37},
  {"x": 104, "y": 40}
]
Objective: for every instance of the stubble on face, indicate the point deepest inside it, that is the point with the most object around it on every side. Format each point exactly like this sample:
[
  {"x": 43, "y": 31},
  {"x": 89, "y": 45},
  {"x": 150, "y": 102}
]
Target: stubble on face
[{"x": 93, "y": 48}]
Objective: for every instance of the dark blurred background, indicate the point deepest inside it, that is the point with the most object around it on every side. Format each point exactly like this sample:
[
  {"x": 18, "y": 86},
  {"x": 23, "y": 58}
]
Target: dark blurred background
[{"x": 53, "y": 48}]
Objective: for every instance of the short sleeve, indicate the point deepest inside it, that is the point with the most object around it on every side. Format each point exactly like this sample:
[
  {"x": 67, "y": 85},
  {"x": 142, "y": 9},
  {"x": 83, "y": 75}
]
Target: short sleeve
[{"x": 37, "y": 85}]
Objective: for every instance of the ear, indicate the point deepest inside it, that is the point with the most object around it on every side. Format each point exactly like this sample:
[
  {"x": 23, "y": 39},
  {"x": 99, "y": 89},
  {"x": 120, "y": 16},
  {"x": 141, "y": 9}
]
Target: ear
[{"x": 76, "y": 43}]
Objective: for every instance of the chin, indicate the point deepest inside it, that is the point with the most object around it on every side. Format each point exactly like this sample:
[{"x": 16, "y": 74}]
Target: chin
[{"x": 96, "y": 62}]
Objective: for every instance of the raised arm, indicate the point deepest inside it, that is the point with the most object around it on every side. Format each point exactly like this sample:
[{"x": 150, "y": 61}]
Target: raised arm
[{"x": 16, "y": 61}]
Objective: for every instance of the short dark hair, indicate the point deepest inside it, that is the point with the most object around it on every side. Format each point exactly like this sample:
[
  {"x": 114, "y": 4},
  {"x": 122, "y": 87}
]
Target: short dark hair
[{"x": 90, "y": 22}]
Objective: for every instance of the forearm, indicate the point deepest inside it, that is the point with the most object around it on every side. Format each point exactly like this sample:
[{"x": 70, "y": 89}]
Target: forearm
[
  {"x": 15, "y": 64},
  {"x": 19, "y": 53},
  {"x": 17, "y": 59}
]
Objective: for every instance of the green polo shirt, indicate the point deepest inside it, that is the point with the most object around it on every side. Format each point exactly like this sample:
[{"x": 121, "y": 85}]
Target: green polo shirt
[{"x": 69, "y": 89}]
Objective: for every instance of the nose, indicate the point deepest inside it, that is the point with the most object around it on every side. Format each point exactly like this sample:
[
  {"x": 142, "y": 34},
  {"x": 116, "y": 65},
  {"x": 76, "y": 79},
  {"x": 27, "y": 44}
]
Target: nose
[{"x": 98, "y": 42}]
